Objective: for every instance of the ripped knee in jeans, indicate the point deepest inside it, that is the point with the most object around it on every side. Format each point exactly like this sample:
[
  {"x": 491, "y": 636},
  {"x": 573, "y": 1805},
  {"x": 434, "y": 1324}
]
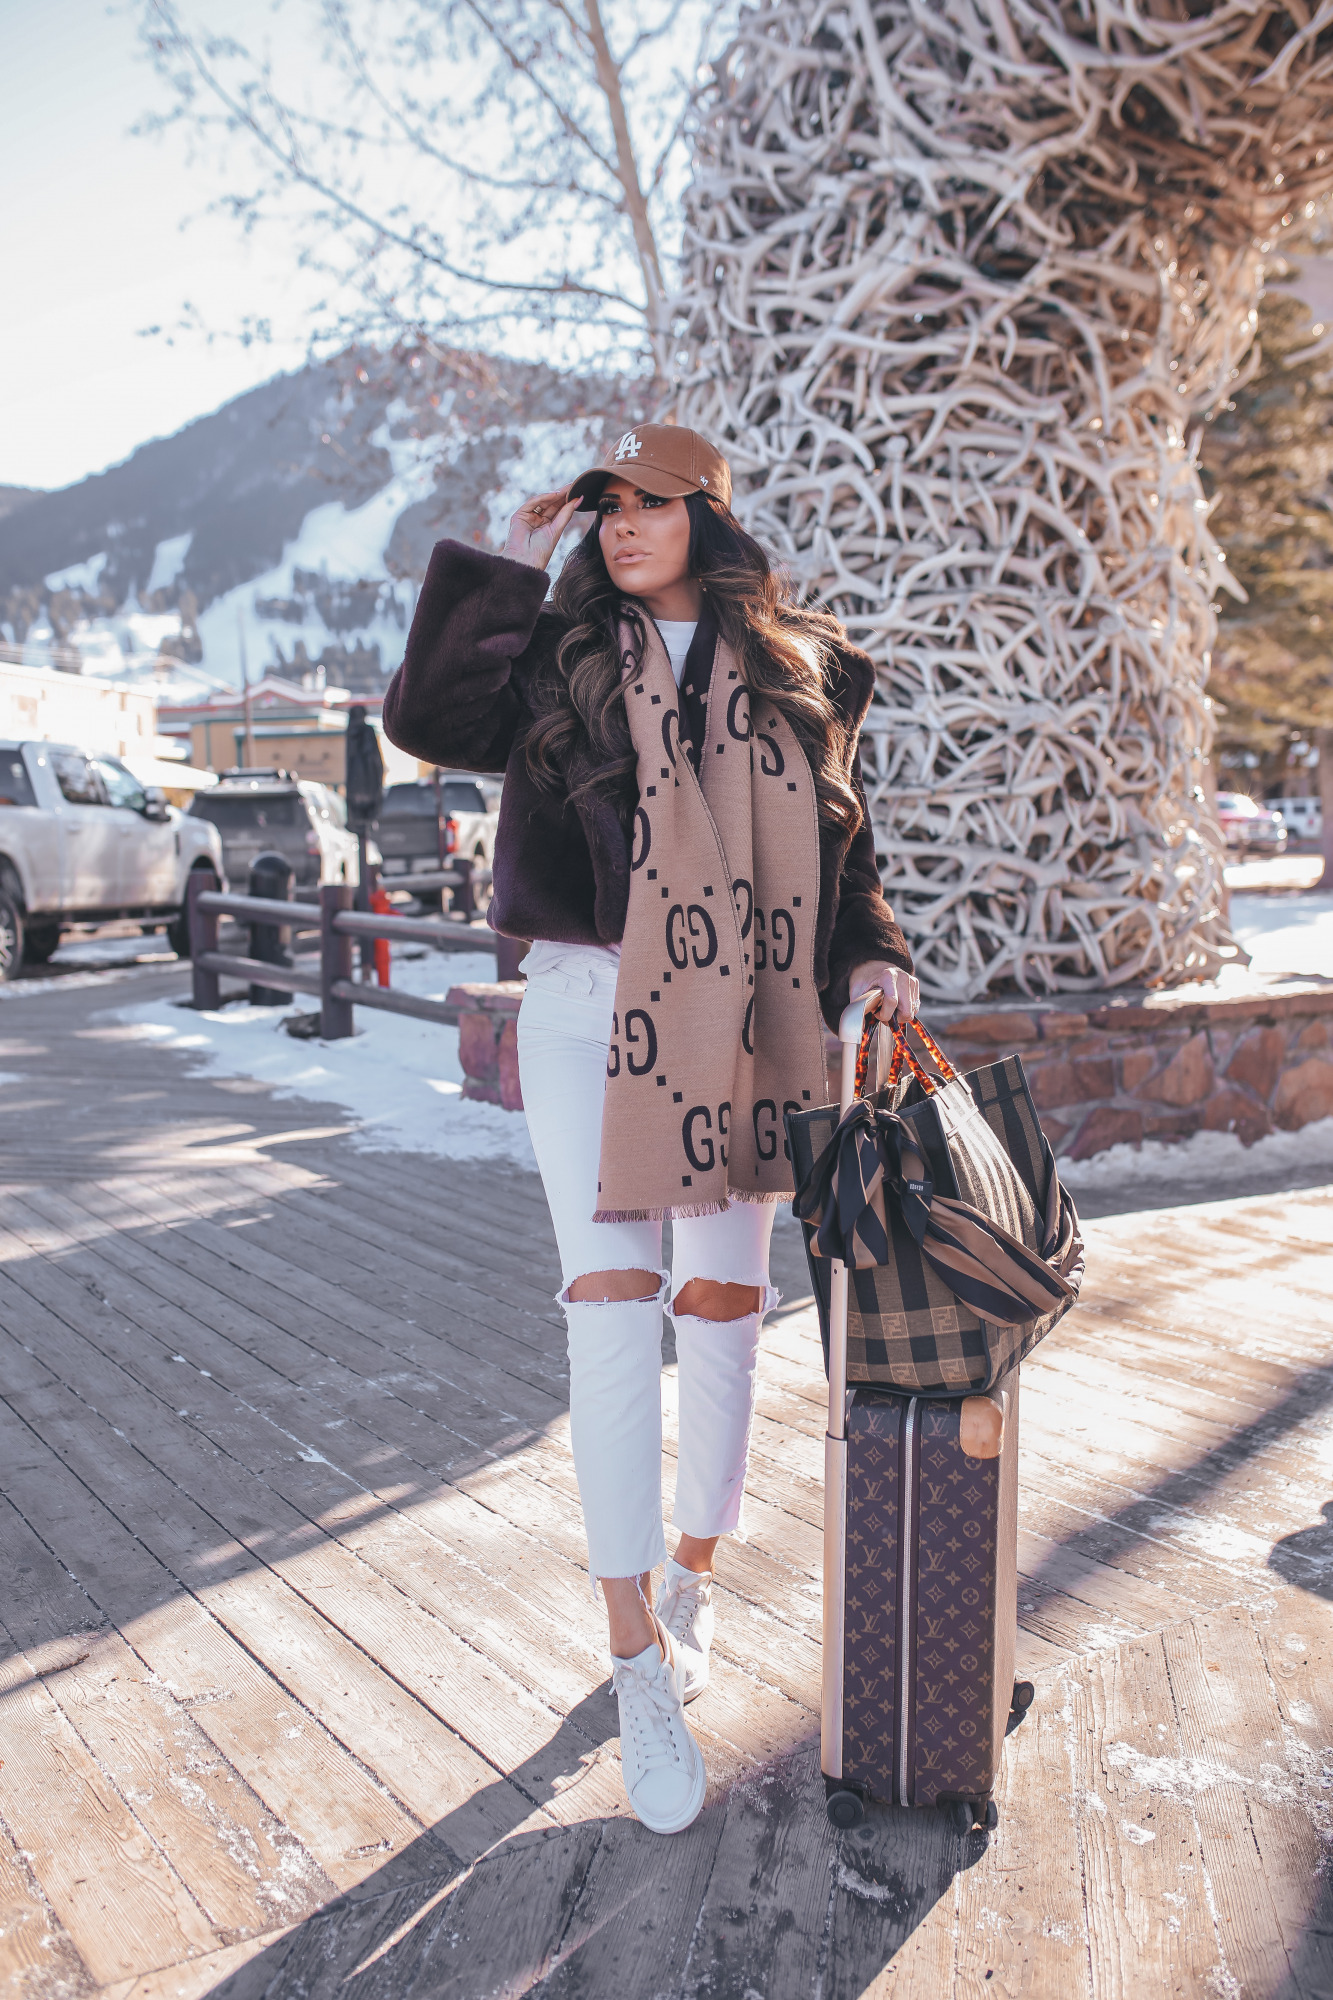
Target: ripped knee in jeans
[
  {"x": 711, "y": 1298},
  {"x": 612, "y": 1287}
]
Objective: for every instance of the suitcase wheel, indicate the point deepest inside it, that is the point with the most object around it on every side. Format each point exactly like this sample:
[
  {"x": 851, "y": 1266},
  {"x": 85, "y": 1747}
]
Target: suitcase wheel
[
  {"x": 1024, "y": 1696},
  {"x": 845, "y": 1809},
  {"x": 973, "y": 1816}
]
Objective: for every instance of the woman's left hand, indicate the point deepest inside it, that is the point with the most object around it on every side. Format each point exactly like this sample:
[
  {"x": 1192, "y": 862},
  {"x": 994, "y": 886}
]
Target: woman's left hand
[{"x": 901, "y": 990}]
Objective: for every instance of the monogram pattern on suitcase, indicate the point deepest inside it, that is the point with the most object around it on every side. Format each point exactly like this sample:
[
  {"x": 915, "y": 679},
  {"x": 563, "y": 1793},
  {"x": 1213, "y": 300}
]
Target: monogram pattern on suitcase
[
  {"x": 949, "y": 1659},
  {"x": 955, "y": 1617},
  {"x": 869, "y": 1664}
]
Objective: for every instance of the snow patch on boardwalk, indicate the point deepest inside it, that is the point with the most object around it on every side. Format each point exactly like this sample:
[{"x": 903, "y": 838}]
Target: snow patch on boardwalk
[{"x": 399, "y": 1081}]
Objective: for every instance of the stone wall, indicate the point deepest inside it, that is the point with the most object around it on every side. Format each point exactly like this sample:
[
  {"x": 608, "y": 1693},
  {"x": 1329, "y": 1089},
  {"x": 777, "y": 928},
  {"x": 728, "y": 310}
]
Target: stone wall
[
  {"x": 1249, "y": 1055},
  {"x": 488, "y": 1041}
]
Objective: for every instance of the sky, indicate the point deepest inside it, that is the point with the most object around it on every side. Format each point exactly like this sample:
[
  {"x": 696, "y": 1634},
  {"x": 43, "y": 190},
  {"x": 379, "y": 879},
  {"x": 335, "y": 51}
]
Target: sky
[{"x": 98, "y": 241}]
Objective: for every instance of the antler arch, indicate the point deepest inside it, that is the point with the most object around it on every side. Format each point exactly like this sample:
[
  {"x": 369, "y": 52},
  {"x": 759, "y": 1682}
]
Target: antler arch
[{"x": 959, "y": 276}]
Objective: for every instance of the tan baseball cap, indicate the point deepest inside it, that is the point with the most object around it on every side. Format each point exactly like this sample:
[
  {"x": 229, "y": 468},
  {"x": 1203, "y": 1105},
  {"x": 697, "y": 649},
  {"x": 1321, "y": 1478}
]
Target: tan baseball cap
[{"x": 659, "y": 458}]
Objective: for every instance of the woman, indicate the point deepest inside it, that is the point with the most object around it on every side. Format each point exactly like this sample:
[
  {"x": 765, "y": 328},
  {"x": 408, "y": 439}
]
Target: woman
[{"x": 683, "y": 832}]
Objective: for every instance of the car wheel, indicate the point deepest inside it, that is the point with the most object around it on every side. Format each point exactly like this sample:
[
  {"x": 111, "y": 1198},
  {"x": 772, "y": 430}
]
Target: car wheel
[
  {"x": 38, "y": 945},
  {"x": 178, "y": 930},
  {"x": 11, "y": 933}
]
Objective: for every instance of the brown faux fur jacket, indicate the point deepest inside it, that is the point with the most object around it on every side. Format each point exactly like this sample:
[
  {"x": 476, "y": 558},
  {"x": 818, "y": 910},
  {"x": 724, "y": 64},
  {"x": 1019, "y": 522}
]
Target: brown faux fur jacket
[{"x": 562, "y": 869}]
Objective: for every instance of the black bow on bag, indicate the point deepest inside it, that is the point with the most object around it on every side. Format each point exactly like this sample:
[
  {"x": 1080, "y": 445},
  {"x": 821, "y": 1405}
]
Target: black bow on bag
[{"x": 941, "y": 1196}]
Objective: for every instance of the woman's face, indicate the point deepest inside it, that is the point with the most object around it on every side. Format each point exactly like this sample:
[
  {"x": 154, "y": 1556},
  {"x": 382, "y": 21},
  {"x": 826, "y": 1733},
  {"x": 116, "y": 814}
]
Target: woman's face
[{"x": 645, "y": 540}]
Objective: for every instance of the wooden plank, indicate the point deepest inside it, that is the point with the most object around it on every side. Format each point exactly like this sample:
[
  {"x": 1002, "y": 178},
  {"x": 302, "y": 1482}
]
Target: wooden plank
[
  {"x": 1201, "y": 1547},
  {"x": 892, "y": 1914},
  {"x": 753, "y": 1722},
  {"x": 812, "y": 1559},
  {"x": 1275, "y": 1440},
  {"x": 1081, "y": 1520},
  {"x": 1258, "y": 1800},
  {"x": 248, "y": 1270},
  {"x": 124, "y": 1906},
  {"x": 509, "y": 1397},
  {"x": 496, "y": 1931},
  {"x": 1150, "y": 1928},
  {"x": 1020, "y": 1912},
  {"x": 254, "y": 1347},
  {"x": 390, "y": 1720},
  {"x": 762, "y": 1923},
  {"x": 467, "y": 1223},
  {"x": 201, "y": 1976},
  {"x": 242, "y": 1867},
  {"x": 631, "y": 1928},
  {"x": 468, "y": 1267},
  {"x": 40, "y": 1275},
  {"x": 36, "y": 1951},
  {"x": 343, "y": 1818},
  {"x": 425, "y": 1239}
]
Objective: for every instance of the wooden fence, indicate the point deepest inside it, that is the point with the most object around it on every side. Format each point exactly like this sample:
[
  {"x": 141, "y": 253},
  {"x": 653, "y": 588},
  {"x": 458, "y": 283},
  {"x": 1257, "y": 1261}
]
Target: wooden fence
[{"x": 339, "y": 928}]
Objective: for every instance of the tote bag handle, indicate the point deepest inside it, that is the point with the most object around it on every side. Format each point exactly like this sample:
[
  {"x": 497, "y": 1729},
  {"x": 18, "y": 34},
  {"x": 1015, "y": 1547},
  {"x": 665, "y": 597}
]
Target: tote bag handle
[{"x": 903, "y": 1053}]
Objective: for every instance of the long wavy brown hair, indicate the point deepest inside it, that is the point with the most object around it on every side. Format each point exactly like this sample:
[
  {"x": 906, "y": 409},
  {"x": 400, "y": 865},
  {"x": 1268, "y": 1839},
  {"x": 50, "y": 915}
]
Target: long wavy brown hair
[{"x": 580, "y": 741}]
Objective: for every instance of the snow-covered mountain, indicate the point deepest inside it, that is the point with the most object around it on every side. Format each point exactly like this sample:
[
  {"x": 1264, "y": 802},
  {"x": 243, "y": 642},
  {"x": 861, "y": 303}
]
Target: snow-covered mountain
[{"x": 290, "y": 530}]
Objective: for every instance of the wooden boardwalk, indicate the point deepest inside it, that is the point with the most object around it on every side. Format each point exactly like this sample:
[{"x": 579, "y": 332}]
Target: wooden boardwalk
[{"x": 303, "y": 1693}]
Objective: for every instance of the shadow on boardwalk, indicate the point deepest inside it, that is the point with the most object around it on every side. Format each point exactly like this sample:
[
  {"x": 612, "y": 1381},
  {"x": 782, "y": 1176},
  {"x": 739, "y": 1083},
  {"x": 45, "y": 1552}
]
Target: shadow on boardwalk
[
  {"x": 731, "y": 1908},
  {"x": 302, "y": 1693}
]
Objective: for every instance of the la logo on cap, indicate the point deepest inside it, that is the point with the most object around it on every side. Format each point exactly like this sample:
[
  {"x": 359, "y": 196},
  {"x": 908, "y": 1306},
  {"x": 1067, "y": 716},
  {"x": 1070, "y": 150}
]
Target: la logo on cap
[{"x": 629, "y": 447}]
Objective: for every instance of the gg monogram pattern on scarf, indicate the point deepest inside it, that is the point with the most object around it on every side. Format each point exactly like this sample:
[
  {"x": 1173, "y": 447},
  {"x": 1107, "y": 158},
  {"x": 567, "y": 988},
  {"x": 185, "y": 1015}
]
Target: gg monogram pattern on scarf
[{"x": 717, "y": 1032}]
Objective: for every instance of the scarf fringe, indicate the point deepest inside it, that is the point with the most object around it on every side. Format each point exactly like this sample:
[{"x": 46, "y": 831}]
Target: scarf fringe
[
  {"x": 658, "y": 1214},
  {"x": 687, "y": 1213}
]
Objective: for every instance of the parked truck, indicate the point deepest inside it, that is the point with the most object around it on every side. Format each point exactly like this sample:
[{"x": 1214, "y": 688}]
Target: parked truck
[
  {"x": 435, "y": 822},
  {"x": 83, "y": 842}
]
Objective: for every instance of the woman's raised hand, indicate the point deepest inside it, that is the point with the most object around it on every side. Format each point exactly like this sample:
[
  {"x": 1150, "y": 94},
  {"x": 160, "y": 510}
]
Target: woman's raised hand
[{"x": 535, "y": 531}]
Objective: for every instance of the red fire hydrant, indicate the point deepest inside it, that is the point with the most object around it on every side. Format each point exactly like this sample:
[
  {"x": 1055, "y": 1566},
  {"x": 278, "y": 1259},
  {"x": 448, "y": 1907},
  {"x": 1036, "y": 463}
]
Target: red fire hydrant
[{"x": 380, "y": 904}]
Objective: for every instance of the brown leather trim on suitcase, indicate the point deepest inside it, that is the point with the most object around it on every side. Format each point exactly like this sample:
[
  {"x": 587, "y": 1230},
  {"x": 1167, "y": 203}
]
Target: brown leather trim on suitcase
[{"x": 1006, "y": 1568}]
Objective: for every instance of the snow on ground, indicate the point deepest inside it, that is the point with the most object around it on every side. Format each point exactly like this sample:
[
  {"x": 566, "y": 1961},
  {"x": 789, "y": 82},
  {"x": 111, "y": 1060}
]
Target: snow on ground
[
  {"x": 79, "y": 575},
  {"x": 168, "y": 561},
  {"x": 1289, "y": 931},
  {"x": 1207, "y": 1157},
  {"x": 1279, "y": 871},
  {"x": 399, "y": 1081}
]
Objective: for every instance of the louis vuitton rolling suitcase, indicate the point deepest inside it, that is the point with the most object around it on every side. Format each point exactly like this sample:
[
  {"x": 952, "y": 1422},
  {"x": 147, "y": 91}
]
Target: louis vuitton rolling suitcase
[{"x": 920, "y": 1576}]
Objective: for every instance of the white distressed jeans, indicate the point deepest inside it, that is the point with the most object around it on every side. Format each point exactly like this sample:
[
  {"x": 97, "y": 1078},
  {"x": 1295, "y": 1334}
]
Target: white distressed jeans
[{"x": 615, "y": 1350}]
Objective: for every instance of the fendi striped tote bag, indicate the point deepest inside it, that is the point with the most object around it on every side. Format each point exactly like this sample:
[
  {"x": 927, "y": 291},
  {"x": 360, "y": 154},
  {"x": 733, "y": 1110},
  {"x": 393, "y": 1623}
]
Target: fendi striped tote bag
[{"x": 940, "y": 1193}]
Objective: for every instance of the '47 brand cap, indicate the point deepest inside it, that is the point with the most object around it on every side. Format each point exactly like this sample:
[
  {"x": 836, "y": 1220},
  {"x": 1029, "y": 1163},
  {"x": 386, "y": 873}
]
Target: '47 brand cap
[{"x": 661, "y": 459}]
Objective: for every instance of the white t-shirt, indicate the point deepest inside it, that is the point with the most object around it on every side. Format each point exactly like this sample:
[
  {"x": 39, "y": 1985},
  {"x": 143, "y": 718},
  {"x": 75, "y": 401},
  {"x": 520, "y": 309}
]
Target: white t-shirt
[
  {"x": 677, "y": 635},
  {"x": 597, "y": 964}
]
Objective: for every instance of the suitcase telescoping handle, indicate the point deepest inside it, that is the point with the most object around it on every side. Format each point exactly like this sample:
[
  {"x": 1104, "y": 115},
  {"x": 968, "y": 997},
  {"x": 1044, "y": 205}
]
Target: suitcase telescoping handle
[
  {"x": 850, "y": 1032},
  {"x": 853, "y": 1040}
]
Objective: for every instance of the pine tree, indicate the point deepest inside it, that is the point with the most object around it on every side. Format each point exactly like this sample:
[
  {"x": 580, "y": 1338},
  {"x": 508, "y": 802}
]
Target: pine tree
[{"x": 1267, "y": 459}]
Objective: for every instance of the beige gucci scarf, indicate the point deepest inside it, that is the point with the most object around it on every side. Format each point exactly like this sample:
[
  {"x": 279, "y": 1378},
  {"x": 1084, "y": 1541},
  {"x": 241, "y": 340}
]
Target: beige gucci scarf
[{"x": 717, "y": 1026}]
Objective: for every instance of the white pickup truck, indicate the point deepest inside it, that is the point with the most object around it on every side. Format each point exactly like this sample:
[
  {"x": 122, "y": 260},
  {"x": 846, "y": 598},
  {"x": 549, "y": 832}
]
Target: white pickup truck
[{"x": 83, "y": 842}]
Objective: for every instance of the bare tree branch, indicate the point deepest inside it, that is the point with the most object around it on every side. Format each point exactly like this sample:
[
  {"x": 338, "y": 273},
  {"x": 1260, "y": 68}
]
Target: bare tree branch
[{"x": 430, "y": 156}]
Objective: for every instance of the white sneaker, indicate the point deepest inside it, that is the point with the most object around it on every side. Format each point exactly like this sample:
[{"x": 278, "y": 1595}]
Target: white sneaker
[
  {"x": 664, "y": 1770},
  {"x": 685, "y": 1607}
]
